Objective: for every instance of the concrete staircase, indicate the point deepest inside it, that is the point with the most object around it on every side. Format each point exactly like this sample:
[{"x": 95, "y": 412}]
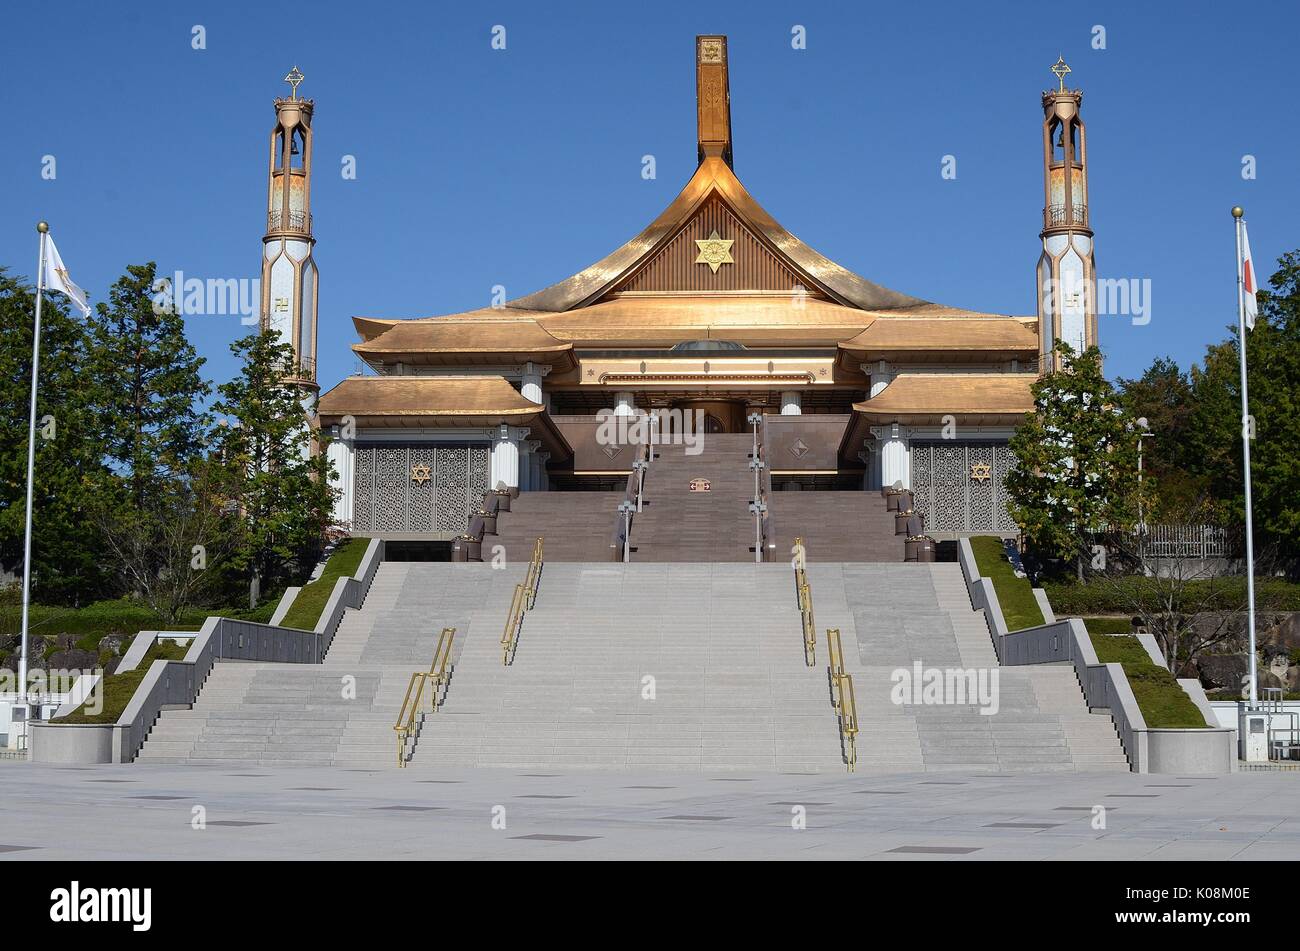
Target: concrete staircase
[
  {"x": 646, "y": 665},
  {"x": 836, "y": 526},
  {"x": 678, "y": 525},
  {"x": 342, "y": 711}
]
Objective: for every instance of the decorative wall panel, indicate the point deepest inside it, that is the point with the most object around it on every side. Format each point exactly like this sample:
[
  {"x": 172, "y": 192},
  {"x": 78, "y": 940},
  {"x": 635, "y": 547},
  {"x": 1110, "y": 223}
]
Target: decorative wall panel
[
  {"x": 418, "y": 487},
  {"x": 961, "y": 486}
]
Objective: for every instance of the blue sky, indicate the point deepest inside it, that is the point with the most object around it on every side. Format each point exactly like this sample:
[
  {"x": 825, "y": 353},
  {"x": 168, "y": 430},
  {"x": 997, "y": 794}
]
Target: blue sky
[{"x": 478, "y": 167}]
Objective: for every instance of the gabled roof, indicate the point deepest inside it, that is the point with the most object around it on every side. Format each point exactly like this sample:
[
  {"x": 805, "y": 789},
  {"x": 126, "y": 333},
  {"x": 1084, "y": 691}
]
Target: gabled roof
[
  {"x": 950, "y": 338},
  {"x": 715, "y": 178}
]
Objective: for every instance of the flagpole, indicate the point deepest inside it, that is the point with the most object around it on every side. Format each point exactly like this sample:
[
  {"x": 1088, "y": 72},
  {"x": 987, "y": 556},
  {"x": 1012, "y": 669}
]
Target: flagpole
[
  {"x": 1246, "y": 428},
  {"x": 43, "y": 229}
]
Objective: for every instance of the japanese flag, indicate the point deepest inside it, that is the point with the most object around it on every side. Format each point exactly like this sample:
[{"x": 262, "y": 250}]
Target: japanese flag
[{"x": 1249, "y": 284}]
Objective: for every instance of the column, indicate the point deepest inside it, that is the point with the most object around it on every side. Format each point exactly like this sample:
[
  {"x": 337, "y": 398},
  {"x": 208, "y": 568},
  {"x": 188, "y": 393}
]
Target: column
[
  {"x": 342, "y": 455},
  {"x": 882, "y": 374},
  {"x": 791, "y": 403},
  {"x": 625, "y": 403},
  {"x": 895, "y": 457},
  {"x": 529, "y": 478},
  {"x": 504, "y": 462},
  {"x": 531, "y": 389},
  {"x": 543, "y": 477}
]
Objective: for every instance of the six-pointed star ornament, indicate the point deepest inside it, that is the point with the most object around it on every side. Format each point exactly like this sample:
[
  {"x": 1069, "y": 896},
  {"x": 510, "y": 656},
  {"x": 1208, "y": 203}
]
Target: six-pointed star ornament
[
  {"x": 421, "y": 472},
  {"x": 715, "y": 251}
]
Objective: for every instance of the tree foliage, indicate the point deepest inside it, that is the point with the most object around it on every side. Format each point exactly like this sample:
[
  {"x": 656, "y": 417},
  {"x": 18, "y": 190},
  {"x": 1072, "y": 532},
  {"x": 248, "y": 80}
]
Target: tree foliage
[
  {"x": 1075, "y": 469},
  {"x": 278, "y": 495}
]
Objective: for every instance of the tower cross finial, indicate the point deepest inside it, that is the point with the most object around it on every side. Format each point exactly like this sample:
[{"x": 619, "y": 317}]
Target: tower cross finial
[
  {"x": 293, "y": 79},
  {"x": 1060, "y": 70}
]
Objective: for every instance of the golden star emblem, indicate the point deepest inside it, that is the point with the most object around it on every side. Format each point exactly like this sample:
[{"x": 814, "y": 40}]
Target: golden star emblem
[
  {"x": 981, "y": 472},
  {"x": 715, "y": 251},
  {"x": 421, "y": 473}
]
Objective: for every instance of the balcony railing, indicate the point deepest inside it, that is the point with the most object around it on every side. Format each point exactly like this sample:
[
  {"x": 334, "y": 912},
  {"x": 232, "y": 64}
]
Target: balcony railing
[
  {"x": 298, "y": 222},
  {"x": 1058, "y": 216}
]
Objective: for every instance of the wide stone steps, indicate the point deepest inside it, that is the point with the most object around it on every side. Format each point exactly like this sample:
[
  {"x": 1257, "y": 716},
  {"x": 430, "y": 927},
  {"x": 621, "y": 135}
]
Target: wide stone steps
[{"x": 717, "y": 646}]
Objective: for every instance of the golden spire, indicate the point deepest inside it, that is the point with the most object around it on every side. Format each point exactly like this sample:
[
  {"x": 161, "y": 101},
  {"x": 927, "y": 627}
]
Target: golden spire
[
  {"x": 293, "y": 79},
  {"x": 1060, "y": 70}
]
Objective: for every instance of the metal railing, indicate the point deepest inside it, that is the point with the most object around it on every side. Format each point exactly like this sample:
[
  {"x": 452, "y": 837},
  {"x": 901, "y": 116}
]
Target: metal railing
[
  {"x": 620, "y": 539},
  {"x": 297, "y": 222},
  {"x": 434, "y": 679},
  {"x": 522, "y": 602},
  {"x": 1059, "y": 215},
  {"x": 843, "y": 698},
  {"x": 803, "y": 590}
]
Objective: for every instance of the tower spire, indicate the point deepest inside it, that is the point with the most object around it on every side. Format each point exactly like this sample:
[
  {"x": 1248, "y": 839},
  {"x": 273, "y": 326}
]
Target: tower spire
[
  {"x": 289, "y": 276},
  {"x": 713, "y": 98},
  {"x": 1067, "y": 270}
]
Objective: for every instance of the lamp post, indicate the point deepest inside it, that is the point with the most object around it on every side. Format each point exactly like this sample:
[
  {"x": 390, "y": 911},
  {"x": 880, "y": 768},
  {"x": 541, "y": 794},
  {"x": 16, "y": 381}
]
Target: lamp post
[
  {"x": 759, "y": 509},
  {"x": 1144, "y": 434},
  {"x": 640, "y": 467}
]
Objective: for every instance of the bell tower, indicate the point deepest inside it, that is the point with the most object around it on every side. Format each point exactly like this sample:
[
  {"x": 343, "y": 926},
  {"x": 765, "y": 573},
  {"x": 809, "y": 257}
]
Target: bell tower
[
  {"x": 1067, "y": 275},
  {"x": 289, "y": 280}
]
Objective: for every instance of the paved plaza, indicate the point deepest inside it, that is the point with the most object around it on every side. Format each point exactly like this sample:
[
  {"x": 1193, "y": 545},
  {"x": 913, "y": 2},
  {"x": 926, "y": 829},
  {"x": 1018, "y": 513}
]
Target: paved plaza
[{"x": 147, "y": 811}]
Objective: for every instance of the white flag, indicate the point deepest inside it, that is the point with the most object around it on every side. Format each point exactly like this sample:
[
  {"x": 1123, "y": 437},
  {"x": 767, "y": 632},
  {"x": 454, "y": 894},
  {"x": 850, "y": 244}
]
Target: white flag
[
  {"x": 56, "y": 277},
  {"x": 1249, "y": 286}
]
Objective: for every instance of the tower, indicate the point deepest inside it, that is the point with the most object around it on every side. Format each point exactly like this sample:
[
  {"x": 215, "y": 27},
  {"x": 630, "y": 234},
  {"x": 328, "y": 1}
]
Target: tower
[
  {"x": 1067, "y": 276},
  {"x": 289, "y": 280}
]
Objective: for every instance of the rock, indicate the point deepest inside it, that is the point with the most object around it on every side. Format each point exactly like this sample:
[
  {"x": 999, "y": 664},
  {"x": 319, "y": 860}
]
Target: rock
[{"x": 74, "y": 659}]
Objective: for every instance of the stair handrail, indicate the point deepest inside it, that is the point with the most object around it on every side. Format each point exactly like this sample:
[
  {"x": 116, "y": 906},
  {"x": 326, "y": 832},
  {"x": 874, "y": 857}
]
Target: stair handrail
[
  {"x": 769, "y": 528},
  {"x": 514, "y": 623},
  {"x": 803, "y": 591},
  {"x": 844, "y": 699},
  {"x": 632, "y": 492},
  {"x": 534, "y": 576},
  {"x": 437, "y": 675}
]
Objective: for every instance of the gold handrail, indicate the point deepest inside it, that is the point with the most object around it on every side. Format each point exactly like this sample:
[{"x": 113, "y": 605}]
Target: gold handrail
[
  {"x": 804, "y": 592},
  {"x": 843, "y": 697},
  {"x": 437, "y": 675},
  {"x": 524, "y": 598}
]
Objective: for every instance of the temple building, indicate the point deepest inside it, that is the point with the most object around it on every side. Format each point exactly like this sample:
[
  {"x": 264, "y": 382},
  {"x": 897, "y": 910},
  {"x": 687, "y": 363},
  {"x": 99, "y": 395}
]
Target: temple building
[{"x": 711, "y": 314}]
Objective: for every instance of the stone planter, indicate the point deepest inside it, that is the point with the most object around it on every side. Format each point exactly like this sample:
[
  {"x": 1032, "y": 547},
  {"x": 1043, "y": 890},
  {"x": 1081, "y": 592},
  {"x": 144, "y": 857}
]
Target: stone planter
[
  {"x": 466, "y": 548},
  {"x": 919, "y": 548},
  {"x": 900, "y": 522},
  {"x": 489, "y": 522}
]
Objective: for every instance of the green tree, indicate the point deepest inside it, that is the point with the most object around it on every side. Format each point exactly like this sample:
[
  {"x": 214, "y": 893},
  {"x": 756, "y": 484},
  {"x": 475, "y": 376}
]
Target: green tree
[
  {"x": 278, "y": 495},
  {"x": 1163, "y": 396},
  {"x": 67, "y": 551},
  {"x": 149, "y": 400},
  {"x": 150, "y": 388},
  {"x": 1075, "y": 469}
]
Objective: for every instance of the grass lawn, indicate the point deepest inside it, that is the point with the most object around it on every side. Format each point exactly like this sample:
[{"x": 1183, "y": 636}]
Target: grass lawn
[
  {"x": 1163, "y": 703},
  {"x": 1016, "y": 595},
  {"x": 118, "y": 689},
  {"x": 310, "y": 602}
]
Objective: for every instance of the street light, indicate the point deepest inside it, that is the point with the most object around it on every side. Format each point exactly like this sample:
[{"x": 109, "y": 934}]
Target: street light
[{"x": 1146, "y": 432}]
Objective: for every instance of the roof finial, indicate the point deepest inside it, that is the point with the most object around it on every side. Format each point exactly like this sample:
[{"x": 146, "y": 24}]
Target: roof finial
[
  {"x": 293, "y": 79},
  {"x": 1060, "y": 69}
]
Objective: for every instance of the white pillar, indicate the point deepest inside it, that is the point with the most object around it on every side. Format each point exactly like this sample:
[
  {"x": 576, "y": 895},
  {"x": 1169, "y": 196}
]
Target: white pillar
[
  {"x": 895, "y": 457},
  {"x": 531, "y": 389},
  {"x": 505, "y": 456},
  {"x": 791, "y": 403},
  {"x": 882, "y": 374},
  {"x": 625, "y": 403},
  {"x": 342, "y": 454},
  {"x": 543, "y": 478},
  {"x": 529, "y": 477}
]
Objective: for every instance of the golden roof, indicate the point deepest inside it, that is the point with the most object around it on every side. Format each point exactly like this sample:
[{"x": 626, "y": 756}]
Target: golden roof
[
  {"x": 926, "y": 338},
  {"x": 925, "y": 398},
  {"x": 461, "y": 342},
  {"x": 456, "y": 401}
]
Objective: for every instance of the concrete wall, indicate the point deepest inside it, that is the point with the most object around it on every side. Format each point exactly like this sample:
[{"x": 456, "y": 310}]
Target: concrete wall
[
  {"x": 177, "y": 683},
  {"x": 1210, "y": 751}
]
